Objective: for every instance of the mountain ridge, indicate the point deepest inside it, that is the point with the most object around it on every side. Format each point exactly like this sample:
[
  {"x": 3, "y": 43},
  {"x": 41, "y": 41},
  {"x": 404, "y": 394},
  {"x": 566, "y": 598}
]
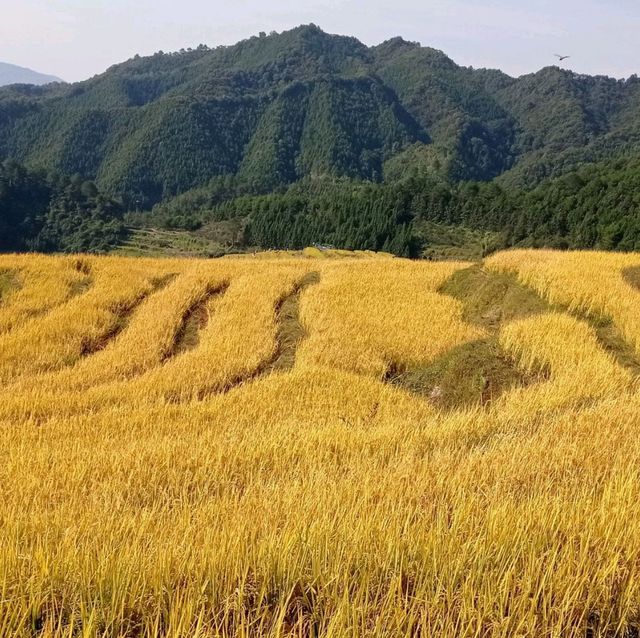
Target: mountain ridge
[
  {"x": 271, "y": 110},
  {"x": 14, "y": 74}
]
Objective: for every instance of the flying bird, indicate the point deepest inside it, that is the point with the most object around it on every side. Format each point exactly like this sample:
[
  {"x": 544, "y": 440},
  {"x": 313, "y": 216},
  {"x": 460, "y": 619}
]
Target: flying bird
[{"x": 561, "y": 57}]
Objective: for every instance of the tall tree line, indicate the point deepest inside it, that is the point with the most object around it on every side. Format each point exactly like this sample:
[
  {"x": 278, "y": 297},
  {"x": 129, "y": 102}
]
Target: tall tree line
[{"x": 52, "y": 212}]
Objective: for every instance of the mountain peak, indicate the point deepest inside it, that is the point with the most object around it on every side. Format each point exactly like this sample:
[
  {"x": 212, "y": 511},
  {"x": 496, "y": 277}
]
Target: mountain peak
[
  {"x": 13, "y": 74},
  {"x": 397, "y": 43},
  {"x": 279, "y": 107}
]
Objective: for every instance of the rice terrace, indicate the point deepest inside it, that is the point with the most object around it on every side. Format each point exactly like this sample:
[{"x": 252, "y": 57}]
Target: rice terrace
[{"x": 290, "y": 445}]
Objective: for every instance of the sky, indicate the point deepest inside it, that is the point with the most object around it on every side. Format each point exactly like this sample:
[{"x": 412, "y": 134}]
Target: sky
[{"x": 76, "y": 39}]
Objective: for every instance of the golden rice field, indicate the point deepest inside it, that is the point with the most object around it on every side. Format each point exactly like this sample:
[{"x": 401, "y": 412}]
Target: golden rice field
[{"x": 295, "y": 446}]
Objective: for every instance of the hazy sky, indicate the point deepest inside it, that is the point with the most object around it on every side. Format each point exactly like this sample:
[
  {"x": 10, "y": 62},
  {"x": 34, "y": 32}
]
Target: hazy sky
[{"x": 76, "y": 39}]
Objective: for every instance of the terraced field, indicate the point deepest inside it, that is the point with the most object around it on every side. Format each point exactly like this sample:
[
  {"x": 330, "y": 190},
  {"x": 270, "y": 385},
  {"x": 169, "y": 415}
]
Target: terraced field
[{"x": 295, "y": 446}]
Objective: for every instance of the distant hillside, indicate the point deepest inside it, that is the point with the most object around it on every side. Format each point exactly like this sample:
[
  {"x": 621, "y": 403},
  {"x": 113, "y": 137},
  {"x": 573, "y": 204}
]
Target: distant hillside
[
  {"x": 12, "y": 74},
  {"x": 274, "y": 109},
  {"x": 304, "y": 137},
  {"x": 48, "y": 212}
]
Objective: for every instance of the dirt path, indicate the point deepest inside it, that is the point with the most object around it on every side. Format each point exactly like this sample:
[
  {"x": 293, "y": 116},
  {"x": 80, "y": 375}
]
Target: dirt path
[{"x": 195, "y": 320}]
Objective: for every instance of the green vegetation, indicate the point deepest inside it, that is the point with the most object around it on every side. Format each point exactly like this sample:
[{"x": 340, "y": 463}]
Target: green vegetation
[
  {"x": 49, "y": 212},
  {"x": 152, "y": 242},
  {"x": 456, "y": 243},
  {"x": 304, "y": 137},
  {"x": 480, "y": 371},
  {"x": 355, "y": 217},
  {"x": 595, "y": 206},
  {"x": 272, "y": 110},
  {"x": 290, "y": 329},
  {"x": 194, "y": 321}
]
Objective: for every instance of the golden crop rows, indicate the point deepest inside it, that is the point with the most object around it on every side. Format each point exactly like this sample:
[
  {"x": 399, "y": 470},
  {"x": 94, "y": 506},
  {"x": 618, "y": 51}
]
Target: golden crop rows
[{"x": 174, "y": 463}]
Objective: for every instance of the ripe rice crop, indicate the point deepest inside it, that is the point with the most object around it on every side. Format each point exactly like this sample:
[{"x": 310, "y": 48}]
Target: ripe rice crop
[
  {"x": 41, "y": 284},
  {"x": 215, "y": 448}
]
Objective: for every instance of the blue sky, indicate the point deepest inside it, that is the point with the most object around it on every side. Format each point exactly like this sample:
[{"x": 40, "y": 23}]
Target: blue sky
[{"x": 76, "y": 39}]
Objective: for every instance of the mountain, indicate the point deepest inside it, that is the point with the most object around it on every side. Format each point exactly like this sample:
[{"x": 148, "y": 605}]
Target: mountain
[
  {"x": 12, "y": 74},
  {"x": 310, "y": 137},
  {"x": 274, "y": 109}
]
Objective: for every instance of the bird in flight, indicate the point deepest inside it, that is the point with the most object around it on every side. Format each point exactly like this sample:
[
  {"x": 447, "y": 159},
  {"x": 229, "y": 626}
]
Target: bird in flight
[{"x": 561, "y": 57}]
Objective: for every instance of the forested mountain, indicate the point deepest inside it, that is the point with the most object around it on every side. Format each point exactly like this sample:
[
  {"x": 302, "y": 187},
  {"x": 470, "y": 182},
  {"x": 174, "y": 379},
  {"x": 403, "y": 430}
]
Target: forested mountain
[
  {"x": 12, "y": 74},
  {"x": 274, "y": 109},
  {"x": 331, "y": 140}
]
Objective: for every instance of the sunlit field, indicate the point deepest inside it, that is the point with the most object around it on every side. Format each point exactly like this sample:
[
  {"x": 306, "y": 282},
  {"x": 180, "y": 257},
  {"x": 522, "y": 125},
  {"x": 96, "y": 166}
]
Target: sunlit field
[{"x": 302, "y": 446}]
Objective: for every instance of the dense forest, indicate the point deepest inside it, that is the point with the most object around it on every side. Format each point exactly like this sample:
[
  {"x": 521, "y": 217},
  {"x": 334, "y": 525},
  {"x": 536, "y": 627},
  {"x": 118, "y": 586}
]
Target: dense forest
[
  {"x": 308, "y": 137},
  {"x": 597, "y": 205},
  {"x": 50, "y": 212}
]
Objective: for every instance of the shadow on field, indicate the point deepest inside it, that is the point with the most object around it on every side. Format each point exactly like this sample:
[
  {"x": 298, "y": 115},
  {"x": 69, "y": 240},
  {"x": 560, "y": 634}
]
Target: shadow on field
[{"x": 82, "y": 285}]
